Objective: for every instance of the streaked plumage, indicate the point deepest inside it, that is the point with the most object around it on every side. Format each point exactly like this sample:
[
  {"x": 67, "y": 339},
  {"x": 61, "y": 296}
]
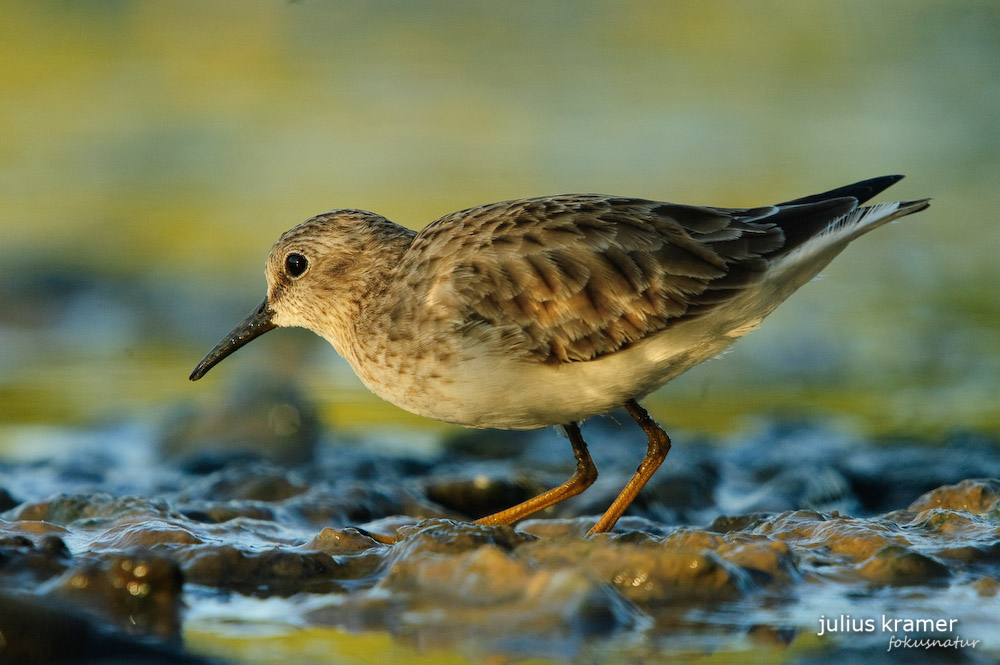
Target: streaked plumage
[{"x": 549, "y": 310}]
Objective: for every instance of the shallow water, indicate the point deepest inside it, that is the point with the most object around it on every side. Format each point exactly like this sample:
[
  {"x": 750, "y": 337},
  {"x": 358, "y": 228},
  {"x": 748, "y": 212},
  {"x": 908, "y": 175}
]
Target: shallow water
[
  {"x": 153, "y": 151},
  {"x": 737, "y": 547}
]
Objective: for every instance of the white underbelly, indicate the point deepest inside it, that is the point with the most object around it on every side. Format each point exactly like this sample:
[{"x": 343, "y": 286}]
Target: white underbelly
[{"x": 504, "y": 393}]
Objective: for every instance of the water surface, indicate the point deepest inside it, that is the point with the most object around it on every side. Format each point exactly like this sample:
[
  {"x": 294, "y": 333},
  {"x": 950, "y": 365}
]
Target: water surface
[{"x": 153, "y": 152}]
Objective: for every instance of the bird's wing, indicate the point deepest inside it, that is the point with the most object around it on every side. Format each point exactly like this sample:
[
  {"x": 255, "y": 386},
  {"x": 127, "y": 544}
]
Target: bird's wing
[{"x": 575, "y": 277}]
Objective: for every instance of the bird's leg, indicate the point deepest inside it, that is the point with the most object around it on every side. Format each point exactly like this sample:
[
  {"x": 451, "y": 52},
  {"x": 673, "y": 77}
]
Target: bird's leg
[
  {"x": 656, "y": 452},
  {"x": 583, "y": 477}
]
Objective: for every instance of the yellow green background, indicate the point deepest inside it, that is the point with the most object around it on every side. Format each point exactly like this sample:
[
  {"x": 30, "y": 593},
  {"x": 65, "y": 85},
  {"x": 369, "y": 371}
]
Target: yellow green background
[{"x": 151, "y": 152}]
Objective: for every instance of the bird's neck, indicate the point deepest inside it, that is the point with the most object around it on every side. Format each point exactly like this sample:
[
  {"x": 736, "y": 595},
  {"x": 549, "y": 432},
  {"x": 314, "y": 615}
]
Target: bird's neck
[{"x": 358, "y": 307}]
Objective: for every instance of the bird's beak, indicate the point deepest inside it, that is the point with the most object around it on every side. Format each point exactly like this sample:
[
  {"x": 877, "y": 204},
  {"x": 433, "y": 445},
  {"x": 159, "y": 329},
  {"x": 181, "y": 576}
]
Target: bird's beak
[{"x": 255, "y": 325}]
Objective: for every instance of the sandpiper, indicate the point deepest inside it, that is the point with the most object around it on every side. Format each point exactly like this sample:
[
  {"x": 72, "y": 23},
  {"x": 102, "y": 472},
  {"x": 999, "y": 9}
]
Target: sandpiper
[{"x": 546, "y": 311}]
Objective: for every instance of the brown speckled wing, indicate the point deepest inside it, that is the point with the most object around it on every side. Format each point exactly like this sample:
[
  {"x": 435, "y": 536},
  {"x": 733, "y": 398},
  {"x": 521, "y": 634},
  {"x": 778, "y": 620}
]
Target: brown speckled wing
[{"x": 574, "y": 277}]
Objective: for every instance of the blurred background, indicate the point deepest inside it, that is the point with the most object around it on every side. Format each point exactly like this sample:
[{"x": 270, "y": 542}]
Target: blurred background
[{"x": 152, "y": 152}]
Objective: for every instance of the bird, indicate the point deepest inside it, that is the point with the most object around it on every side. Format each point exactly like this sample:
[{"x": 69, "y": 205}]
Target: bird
[{"x": 546, "y": 311}]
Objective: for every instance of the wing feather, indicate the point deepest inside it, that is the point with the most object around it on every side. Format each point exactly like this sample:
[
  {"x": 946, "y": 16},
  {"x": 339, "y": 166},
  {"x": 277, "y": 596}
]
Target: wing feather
[{"x": 571, "y": 278}]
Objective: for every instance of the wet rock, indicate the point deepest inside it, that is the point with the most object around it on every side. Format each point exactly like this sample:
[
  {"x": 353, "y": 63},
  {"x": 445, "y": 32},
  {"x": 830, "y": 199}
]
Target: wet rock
[
  {"x": 759, "y": 477},
  {"x": 225, "y": 511},
  {"x": 358, "y": 461},
  {"x": 986, "y": 587},
  {"x": 894, "y": 473},
  {"x": 387, "y": 528},
  {"x": 356, "y": 503},
  {"x": 727, "y": 523},
  {"x": 685, "y": 490},
  {"x": 485, "y": 575},
  {"x": 438, "y": 536},
  {"x": 355, "y": 487},
  {"x": 88, "y": 470},
  {"x": 48, "y": 630},
  {"x": 204, "y": 462},
  {"x": 139, "y": 592},
  {"x": 28, "y": 560},
  {"x": 899, "y": 566},
  {"x": 481, "y": 494},
  {"x": 832, "y": 539},
  {"x": 493, "y": 444},
  {"x": 955, "y": 534},
  {"x": 653, "y": 572},
  {"x": 628, "y": 527},
  {"x": 986, "y": 554},
  {"x": 32, "y": 527},
  {"x": 944, "y": 522},
  {"x": 260, "y": 481},
  {"x": 977, "y": 496},
  {"x": 769, "y": 562},
  {"x": 263, "y": 418},
  {"x": 490, "y": 593},
  {"x": 128, "y": 534},
  {"x": 53, "y": 546},
  {"x": 672, "y": 571},
  {"x": 275, "y": 572},
  {"x": 87, "y": 510},
  {"x": 342, "y": 541}
]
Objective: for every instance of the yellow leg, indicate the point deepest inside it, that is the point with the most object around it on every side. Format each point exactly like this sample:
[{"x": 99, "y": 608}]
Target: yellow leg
[
  {"x": 583, "y": 477},
  {"x": 656, "y": 452}
]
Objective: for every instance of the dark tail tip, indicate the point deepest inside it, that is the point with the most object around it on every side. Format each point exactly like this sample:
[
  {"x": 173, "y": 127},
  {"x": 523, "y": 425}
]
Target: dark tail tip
[{"x": 862, "y": 191}]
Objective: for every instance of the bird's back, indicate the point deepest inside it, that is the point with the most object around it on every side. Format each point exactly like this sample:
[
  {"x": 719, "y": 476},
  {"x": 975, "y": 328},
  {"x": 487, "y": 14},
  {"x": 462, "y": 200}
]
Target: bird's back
[{"x": 574, "y": 277}]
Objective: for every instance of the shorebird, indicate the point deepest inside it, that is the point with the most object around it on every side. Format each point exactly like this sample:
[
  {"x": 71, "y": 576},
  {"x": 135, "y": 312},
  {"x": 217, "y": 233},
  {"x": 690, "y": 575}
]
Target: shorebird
[{"x": 546, "y": 311}]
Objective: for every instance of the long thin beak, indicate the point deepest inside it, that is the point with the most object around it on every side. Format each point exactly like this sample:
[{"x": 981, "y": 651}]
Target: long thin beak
[{"x": 255, "y": 325}]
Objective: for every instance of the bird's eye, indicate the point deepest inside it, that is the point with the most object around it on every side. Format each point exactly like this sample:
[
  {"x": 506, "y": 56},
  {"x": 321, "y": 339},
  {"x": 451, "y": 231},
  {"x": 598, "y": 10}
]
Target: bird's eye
[{"x": 295, "y": 264}]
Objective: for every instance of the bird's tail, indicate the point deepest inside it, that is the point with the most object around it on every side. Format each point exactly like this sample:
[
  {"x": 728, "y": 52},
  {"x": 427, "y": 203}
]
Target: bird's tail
[
  {"x": 868, "y": 218},
  {"x": 794, "y": 268}
]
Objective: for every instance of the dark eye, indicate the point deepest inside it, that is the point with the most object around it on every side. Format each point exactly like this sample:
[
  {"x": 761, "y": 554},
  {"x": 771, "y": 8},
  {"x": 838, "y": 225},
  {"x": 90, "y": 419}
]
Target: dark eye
[{"x": 295, "y": 264}]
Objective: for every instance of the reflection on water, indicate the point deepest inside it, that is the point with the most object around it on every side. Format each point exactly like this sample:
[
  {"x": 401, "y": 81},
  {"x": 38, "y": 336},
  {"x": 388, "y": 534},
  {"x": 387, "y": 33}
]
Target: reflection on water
[
  {"x": 152, "y": 152},
  {"x": 730, "y": 549}
]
